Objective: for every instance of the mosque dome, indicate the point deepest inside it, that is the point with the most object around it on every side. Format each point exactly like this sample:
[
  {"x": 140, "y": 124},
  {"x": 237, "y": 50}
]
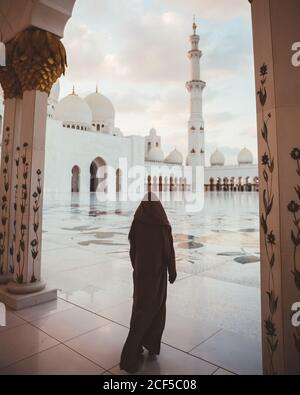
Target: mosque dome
[
  {"x": 245, "y": 157},
  {"x": 55, "y": 90},
  {"x": 217, "y": 158},
  {"x": 155, "y": 155},
  {"x": 117, "y": 132},
  {"x": 73, "y": 109},
  {"x": 101, "y": 107},
  {"x": 174, "y": 157}
]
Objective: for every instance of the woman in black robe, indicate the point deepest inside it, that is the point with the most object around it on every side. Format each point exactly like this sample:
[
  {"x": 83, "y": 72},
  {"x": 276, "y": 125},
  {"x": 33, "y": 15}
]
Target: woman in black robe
[{"x": 152, "y": 257}]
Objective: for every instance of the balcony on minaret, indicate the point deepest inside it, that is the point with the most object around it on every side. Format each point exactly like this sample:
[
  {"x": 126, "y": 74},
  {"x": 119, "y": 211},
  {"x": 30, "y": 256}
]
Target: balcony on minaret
[
  {"x": 194, "y": 53},
  {"x": 195, "y": 84}
]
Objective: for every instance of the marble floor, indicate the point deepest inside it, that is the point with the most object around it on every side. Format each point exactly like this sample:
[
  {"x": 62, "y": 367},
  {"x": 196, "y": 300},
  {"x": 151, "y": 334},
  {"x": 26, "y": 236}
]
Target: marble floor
[{"x": 213, "y": 309}]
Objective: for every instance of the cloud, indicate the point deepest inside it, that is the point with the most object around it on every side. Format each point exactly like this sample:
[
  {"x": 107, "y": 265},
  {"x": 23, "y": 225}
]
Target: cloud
[
  {"x": 207, "y": 9},
  {"x": 215, "y": 119},
  {"x": 136, "y": 51},
  {"x": 150, "y": 48},
  {"x": 85, "y": 58},
  {"x": 131, "y": 102}
]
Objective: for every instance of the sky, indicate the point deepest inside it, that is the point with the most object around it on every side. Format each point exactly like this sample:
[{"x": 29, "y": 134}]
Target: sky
[{"x": 136, "y": 52}]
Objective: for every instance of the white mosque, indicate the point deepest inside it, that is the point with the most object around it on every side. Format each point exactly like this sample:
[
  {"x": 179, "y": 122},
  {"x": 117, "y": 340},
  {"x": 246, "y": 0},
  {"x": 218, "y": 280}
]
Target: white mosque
[{"x": 81, "y": 137}]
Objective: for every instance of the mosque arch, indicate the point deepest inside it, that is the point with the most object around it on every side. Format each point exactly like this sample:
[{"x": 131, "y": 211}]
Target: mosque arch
[
  {"x": 171, "y": 183},
  {"x": 240, "y": 184},
  {"x": 149, "y": 183},
  {"x": 118, "y": 180},
  {"x": 232, "y": 183},
  {"x": 248, "y": 184},
  {"x": 95, "y": 180},
  {"x": 226, "y": 184},
  {"x": 160, "y": 184},
  {"x": 75, "y": 179}
]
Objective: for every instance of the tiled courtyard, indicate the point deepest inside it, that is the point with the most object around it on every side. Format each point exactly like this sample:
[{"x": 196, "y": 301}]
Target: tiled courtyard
[{"x": 213, "y": 309}]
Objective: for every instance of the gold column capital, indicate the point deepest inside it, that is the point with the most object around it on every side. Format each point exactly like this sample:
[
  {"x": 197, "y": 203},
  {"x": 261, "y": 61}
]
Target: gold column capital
[{"x": 35, "y": 60}]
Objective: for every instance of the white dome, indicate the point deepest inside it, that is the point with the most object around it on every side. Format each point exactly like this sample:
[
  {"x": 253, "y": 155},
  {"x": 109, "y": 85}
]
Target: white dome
[
  {"x": 73, "y": 109},
  {"x": 117, "y": 132},
  {"x": 245, "y": 157},
  {"x": 101, "y": 107},
  {"x": 217, "y": 158},
  {"x": 152, "y": 132},
  {"x": 155, "y": 155},
  {"x": 174, "y": 157},
  {"x": 55, "y": 90}
]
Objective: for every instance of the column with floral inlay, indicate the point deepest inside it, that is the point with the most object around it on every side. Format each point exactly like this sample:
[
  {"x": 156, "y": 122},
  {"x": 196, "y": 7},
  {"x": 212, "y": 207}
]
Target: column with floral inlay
[{"x": 276, "y": 34}]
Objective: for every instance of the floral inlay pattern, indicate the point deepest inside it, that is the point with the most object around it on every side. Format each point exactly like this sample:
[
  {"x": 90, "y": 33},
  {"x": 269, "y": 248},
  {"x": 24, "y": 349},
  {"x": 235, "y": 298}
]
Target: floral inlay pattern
[
  {"x": 294, "y": 210},
  {"x": 35, "y": 243},
  {"x": 4, "y": 201},
  {"x": 20, "y": 257},
  {"x": 268, "y": 233}
]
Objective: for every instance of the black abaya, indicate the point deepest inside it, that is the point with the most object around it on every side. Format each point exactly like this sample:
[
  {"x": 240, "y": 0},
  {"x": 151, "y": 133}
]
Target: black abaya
[{"x": 152, "y": 257}]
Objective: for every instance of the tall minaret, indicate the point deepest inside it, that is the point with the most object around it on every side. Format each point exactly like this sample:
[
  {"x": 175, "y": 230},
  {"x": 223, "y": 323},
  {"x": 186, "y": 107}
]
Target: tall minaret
[{"x": 195, "y": 86}]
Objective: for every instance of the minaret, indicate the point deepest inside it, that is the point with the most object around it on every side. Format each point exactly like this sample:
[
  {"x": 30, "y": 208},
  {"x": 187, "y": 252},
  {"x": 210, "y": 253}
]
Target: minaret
[{"x": 195, "y": 86}]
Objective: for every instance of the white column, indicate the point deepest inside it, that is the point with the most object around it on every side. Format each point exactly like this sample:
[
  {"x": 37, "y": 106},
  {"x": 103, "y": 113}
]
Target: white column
[
  {"x": 30, "y": 73},
  {"x": 275, "y": 30}
]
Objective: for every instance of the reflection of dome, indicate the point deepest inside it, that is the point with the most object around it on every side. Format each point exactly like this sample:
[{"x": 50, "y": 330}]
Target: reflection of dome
[
  {"x": 73, "y": 109},
  {"x": 245, "y": 157},
  {"x": 155, "y": 155},
  {"x": 152, "y": 132},
  {"x": 101, "y": 107},
  {"x": 174, "y": 157},
  {"x": 54, "y": 93},
  {"x": 217, "y": 158}
]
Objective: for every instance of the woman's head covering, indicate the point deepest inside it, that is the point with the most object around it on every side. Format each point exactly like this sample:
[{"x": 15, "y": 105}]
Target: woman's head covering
[{"x": 151, "y": 211}]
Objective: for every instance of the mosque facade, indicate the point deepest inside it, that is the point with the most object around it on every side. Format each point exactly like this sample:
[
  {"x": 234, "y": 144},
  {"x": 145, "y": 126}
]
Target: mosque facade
[{"x": 82, "y": 139}]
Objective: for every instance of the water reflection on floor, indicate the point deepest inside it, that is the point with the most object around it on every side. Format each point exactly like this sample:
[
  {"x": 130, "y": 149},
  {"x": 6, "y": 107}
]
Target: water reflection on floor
[{"x": 85, "y": 255}]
